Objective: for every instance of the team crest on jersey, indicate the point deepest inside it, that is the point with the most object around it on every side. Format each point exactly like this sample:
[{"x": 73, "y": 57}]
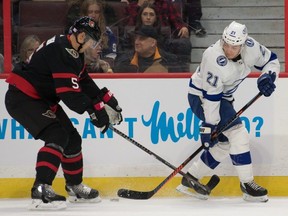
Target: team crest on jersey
[
  {"x": 49, "y": 114},
  {"x": 73, "y": 53},
  {"x": 222, "y": 60},
  {"x": 249, "y": 42}
]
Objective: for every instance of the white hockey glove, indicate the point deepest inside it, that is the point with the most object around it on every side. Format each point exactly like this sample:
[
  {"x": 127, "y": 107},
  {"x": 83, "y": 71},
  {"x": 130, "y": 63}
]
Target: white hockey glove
[{"x": 114, "y": 116}]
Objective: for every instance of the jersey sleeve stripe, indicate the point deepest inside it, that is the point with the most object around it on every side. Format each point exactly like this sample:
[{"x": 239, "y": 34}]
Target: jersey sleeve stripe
[
  {"x": 66, "y": 89},
  {"x": 214, "y": 98},
  {"x": 64, "y": 75}
]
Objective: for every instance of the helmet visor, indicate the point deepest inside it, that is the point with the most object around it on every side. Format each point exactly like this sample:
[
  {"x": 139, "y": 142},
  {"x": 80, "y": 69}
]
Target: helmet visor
[{"x": 92, "y": 43}]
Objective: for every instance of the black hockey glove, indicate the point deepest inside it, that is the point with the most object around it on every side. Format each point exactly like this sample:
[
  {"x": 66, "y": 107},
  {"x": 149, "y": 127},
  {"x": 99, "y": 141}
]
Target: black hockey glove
[
  {"x": 266, "y": 83},
  {"x": 109, "y": 99},
  {"x": 206, "y": 133},
  {"x": 99, "y": 116}
]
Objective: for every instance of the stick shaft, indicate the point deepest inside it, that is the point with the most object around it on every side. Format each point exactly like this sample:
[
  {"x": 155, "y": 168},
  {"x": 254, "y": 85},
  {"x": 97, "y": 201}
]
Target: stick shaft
[
  {"x": 245, "y": 107},
  {"x": 143, "y": 148}
]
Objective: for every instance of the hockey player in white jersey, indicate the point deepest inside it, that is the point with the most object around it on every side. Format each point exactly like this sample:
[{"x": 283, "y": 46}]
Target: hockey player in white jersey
[{"x": 224, "y": 66}]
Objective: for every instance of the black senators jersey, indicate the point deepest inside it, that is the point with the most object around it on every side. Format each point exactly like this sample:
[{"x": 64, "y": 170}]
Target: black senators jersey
[{"x": 57, "y": 72}]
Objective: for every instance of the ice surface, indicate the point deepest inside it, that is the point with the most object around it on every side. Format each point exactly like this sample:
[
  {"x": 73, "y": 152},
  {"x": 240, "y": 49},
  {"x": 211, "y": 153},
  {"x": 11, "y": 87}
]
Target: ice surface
[{"x": 215, "y": 206}]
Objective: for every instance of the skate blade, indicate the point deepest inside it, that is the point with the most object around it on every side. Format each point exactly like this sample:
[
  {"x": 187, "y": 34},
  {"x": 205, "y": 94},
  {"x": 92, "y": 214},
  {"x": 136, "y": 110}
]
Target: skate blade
[
  {"x": 74, "y": 199},
  {"x": 249, "y": 198},
  {"x": 39, "y": 205},
  {"x": 188, "y": 191}
]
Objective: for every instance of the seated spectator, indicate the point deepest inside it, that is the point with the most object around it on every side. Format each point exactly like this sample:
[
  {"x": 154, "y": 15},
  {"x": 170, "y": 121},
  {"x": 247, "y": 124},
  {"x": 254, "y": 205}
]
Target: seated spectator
[
  {"x": 179, "y": 43},
  {"x": 93, "y": 62},
  {"x": 168, "y": 14},
  {"x": 27, "y": 48},
  {"x": 147, "y": 57},
  {"x": 146, "y": 16},
  {"x": 94, "y": 9}
]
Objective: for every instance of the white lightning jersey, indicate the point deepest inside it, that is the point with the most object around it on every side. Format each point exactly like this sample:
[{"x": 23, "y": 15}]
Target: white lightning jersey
[{"x": 218, "y": 77}]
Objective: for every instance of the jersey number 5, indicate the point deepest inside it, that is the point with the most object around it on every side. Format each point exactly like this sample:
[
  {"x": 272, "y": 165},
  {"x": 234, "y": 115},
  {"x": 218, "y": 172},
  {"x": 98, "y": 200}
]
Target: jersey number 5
[{"x": 75, "y": 84}]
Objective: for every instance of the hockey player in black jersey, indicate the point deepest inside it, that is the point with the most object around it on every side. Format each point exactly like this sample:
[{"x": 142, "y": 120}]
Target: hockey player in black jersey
[{"x": 56, "y": 72}]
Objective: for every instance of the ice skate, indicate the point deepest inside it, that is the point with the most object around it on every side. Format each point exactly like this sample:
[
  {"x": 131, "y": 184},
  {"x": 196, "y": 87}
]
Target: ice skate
[
  {"x": 44, "y": 198},
  {"x": 252, "y": 192},
  {"x": 82, "y": 193},
  {"x": 195, "y": 189}
]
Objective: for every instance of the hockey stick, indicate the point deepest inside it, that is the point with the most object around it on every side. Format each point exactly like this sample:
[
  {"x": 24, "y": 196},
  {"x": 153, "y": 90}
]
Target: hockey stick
[
  {"x": 131, "y": 194},
  {"x": 245, "y": 107},
  {"x": 126, "y": 193}
]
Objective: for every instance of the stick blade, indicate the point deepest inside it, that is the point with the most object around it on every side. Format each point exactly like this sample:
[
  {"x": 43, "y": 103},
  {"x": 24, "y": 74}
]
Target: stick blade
[
  {"x": 131, "y": 194},
  {"x": 213, "y": 182}
]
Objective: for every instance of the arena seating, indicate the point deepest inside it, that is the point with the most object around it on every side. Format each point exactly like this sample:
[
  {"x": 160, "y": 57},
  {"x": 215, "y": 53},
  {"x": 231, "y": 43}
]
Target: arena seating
[{"x": 43, "y": 18}]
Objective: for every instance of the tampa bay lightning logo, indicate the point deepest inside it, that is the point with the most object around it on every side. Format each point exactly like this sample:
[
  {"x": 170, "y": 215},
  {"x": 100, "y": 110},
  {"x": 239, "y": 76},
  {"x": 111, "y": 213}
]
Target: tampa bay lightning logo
[
  {"x": 222, "y": 60},
  {"x": 249, "y": 42}
]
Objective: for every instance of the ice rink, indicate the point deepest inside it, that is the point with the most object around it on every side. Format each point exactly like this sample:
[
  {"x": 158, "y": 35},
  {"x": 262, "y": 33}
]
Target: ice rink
[{"x": 215, "y": 206}]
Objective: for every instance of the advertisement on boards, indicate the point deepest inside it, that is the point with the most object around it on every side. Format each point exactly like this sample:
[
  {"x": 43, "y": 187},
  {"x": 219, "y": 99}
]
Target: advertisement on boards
[{"x": 157, "y": 115}]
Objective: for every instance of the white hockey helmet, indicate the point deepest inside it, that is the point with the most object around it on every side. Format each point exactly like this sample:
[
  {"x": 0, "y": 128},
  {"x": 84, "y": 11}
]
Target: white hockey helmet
[{"x": 235, "y": 34}]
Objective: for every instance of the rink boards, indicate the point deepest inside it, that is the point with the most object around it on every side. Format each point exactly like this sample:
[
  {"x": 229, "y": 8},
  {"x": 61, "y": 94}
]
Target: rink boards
[{"x": 156, "y": 114}]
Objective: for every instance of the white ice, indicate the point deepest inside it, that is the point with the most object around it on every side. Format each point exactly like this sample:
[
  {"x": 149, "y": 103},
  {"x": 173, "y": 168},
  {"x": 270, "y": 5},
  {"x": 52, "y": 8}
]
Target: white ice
[{"x": 214, "y": 206}]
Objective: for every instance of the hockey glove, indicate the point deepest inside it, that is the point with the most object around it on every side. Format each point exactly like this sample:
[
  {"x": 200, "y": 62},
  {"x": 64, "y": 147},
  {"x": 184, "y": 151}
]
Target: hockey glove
[
  {"x": 109, "y": 99},
  {"x": 99, "y": 116},
  {"x": 206, "y": 133},
  {"x": 266, "y": 83},
  {"x": 114, "y": 117}
]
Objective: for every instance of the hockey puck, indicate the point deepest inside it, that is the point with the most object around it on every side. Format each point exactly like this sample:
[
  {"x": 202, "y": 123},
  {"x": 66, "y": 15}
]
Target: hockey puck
[{"x": 114, "y": 199}]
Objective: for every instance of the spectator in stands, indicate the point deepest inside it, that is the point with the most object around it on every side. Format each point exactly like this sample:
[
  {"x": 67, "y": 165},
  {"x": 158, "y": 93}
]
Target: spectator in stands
[
  {"x": 146, "y": 16},
  {"x": 27, "y": 48},
  {"x": 166, "y": 14},
  {"x": 94, "y": 9},
  {"x": 93, "y": 62},
  {"x": 193, "y": 14},
  {"x": 147, "y": 57}
]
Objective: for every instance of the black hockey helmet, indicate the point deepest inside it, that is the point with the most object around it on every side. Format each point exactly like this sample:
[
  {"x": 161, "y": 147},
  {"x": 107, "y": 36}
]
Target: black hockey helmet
[{"x": 88, "y": 25}]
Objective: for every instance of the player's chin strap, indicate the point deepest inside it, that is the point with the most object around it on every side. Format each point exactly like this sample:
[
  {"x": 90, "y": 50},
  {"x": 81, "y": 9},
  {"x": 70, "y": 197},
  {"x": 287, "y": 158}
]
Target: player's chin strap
[{"x": 80, "y": 44}]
